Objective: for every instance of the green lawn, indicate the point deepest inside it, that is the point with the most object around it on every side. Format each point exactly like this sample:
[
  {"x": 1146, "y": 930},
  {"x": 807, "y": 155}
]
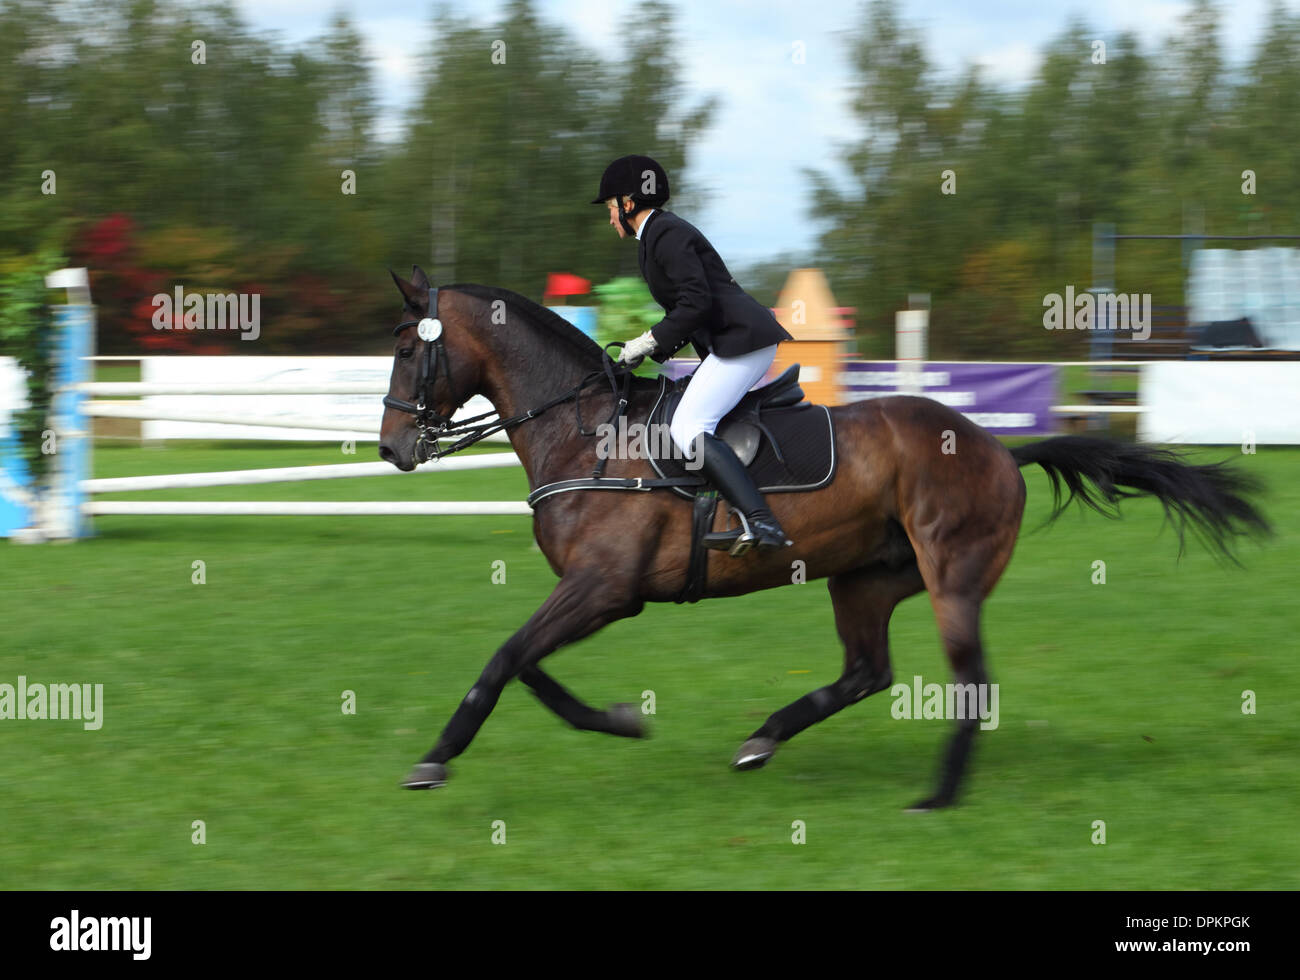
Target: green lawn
[{"x": 1118, "y": 703}]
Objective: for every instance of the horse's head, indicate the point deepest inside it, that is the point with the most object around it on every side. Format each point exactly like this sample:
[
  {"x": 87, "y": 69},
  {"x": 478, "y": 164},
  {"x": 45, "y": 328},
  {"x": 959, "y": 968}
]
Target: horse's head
[{"x": 436, "y": 369}]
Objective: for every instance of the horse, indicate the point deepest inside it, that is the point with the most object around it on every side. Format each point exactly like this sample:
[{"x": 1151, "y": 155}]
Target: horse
[{"x": 922, "y": 500}]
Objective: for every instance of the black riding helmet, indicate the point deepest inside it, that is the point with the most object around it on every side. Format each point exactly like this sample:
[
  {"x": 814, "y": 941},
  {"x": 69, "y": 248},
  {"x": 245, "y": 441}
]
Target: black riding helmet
[{"x": 638, "y": 177}]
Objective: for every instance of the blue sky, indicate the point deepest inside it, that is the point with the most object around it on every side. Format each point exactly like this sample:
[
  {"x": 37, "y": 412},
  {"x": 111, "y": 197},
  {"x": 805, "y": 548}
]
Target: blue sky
[{"x": 775, "y": 118}]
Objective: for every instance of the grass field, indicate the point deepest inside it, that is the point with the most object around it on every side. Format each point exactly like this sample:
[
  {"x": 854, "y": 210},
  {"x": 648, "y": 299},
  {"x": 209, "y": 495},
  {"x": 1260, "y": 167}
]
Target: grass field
[{"x": 1119, "y": 702}]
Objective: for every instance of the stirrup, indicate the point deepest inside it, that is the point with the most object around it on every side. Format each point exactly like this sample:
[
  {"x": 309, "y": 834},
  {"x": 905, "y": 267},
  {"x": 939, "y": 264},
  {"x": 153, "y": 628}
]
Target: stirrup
[
  {"x": 734, "y": 541},
  {"x": 738, "y": 541}
]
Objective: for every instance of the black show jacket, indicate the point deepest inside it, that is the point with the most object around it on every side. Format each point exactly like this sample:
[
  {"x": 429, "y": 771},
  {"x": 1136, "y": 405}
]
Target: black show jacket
[{"x": 703, "y": 304}]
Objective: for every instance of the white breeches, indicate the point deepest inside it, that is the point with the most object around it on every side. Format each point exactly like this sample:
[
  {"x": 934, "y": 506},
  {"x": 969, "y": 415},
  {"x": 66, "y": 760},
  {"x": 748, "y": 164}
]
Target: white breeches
[{"x": 715, "y": 388}]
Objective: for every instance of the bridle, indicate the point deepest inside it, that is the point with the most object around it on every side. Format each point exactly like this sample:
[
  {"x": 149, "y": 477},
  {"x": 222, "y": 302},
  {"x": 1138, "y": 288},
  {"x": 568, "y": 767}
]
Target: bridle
[
  {"x": 429, "y": 329},
  {"x": 434, "y": 426}
]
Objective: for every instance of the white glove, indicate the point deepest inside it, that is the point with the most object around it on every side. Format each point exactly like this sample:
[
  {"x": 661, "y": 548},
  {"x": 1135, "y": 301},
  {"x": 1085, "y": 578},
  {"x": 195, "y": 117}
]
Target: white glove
[{"x": 634, "y": 351}]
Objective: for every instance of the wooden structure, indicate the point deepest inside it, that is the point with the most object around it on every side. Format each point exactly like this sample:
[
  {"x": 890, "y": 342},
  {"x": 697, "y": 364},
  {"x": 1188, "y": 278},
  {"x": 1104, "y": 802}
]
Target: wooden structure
[{"x": 821, "y": 334}]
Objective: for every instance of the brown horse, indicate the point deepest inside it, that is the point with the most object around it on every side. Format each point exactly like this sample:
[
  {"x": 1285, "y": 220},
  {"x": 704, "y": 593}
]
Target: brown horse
[{"x": 922, "y": 499}]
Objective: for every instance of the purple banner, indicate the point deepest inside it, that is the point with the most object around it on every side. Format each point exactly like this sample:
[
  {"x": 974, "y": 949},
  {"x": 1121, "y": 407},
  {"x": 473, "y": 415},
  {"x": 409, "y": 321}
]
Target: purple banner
[{"x": 1006, "y": 399}]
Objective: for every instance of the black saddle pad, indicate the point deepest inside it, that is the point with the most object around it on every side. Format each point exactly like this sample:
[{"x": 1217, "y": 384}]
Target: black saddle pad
[{"x": 802, "y": 458}]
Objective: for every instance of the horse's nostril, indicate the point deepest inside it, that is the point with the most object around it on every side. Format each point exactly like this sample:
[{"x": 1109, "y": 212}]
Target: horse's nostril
[{"x": 386, "y": 454}]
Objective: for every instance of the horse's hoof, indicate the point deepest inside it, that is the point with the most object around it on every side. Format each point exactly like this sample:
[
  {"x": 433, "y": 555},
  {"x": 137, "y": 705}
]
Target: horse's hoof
[
  {"x": 625, "y": 720},
  {"x": 754, "y": 753},
  {"x": 426, "y": 775},
  {"x": 926, "y": 805}
]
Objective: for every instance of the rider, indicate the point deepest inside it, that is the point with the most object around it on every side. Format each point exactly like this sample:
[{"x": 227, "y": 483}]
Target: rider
[{"x": 734, "y": 335}]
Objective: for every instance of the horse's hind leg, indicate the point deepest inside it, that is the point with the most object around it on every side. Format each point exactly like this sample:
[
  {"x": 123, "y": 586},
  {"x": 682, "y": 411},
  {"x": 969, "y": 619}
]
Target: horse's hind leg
[
  {"x": 959, "y": 626},
  {"x": 960, "y": 567},
  {"x": 620, "y": 719},
  {"x": 863, "y": 601},
  {"x": 962, "y": 519}
]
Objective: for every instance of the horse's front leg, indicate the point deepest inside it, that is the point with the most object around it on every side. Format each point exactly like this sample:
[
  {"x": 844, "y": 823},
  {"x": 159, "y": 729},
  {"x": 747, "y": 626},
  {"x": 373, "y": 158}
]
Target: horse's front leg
[
  {"x": 619, "y": 719},
  {"x": 582, "y": 602}
]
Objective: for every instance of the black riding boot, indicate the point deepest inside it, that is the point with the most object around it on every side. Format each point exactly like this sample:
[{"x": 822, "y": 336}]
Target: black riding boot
[{"x": 720, "y": 466}]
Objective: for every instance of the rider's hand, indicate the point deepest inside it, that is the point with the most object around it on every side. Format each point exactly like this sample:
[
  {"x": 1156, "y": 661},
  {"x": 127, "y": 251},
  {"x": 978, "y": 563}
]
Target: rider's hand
[{"x": 634, "y": 351}]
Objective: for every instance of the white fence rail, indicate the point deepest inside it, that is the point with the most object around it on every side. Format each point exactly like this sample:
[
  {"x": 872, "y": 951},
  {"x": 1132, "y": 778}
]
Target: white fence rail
[
  {"x": 306, "y": 508},
  {"x": 124, "y": 389},
  {"x": 288, "y": 474},
  {"x": 136, "y": 410},
  {"x": 242, "y": 414}
]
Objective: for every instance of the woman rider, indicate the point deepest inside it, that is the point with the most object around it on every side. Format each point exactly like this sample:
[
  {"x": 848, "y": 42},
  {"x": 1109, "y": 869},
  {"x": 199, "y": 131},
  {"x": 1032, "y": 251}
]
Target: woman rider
[{"x": 734, "y": 334}]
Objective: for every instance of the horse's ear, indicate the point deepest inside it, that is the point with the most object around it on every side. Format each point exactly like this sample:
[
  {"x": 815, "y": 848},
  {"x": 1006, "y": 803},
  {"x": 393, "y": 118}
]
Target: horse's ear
[
  {"x": 410, "y": 292},
  {"x": 418, "y": 278}
]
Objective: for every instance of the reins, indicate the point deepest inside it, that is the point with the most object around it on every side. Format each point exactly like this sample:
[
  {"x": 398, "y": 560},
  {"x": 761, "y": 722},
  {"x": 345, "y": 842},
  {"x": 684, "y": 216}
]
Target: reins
[{"x": 434, "y": 427}]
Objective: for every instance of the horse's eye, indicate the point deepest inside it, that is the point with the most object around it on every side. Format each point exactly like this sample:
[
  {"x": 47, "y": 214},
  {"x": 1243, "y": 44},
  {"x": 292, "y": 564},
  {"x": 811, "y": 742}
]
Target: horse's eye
[{"x": 405, "y": 353}]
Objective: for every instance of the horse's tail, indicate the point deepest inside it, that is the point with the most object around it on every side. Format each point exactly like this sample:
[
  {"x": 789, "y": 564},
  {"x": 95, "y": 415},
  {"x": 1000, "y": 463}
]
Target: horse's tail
[{"x": 1212, "y": 498}]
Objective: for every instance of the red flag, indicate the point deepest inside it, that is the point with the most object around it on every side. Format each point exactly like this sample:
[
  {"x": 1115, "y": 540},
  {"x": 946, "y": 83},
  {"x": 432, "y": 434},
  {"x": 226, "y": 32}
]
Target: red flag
[{"x": 566, "y": 284}]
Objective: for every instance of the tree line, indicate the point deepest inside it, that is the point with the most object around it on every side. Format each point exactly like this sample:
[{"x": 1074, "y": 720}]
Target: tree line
[{"x": 162, "y": 143}]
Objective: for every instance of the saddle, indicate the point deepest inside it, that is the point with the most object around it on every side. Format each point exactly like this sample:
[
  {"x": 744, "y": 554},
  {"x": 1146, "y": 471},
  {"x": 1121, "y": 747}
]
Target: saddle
[
  {"x": 787, "y": 444},
  {"x": 741, "y": 428}
]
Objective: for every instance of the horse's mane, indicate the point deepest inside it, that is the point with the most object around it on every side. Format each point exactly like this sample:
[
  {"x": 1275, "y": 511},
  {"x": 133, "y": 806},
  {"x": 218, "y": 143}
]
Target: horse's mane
[{"x": 583, "y": 347}]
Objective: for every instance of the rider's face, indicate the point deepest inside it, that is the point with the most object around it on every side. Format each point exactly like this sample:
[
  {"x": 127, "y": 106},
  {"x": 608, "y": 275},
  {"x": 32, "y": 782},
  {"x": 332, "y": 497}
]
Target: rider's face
[{"x": 612, "y": 204}]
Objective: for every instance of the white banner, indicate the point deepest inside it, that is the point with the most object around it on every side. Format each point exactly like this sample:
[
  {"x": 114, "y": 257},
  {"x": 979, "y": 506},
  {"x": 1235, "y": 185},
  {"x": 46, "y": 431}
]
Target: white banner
[
  {"x": 13, "y": 391},
  {"x": 1260, "y": 283},
  {"x": 357, "y": 416},
  {"x": 1220, "y": 402}
]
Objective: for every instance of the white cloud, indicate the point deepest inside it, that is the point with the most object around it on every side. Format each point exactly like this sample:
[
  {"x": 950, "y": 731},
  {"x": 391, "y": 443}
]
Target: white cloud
[{"x": 1011, "y": 65}]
